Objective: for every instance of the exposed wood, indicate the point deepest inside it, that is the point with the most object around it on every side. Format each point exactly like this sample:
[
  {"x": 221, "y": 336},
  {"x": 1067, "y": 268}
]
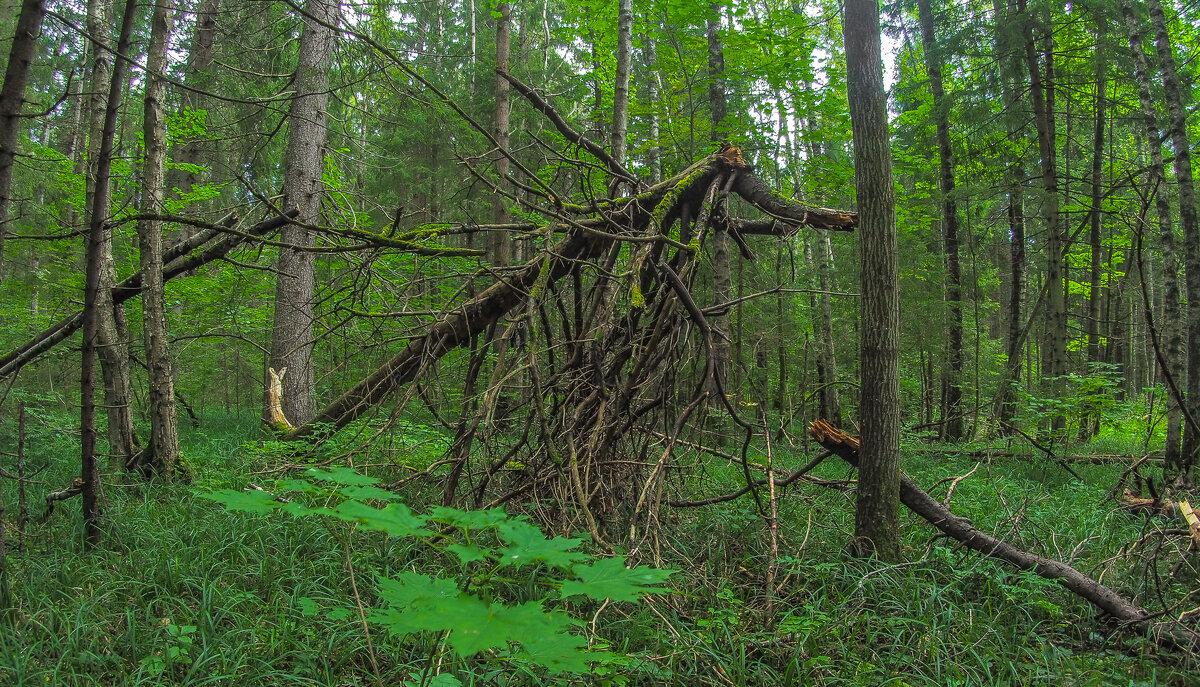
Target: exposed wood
[{"x": 276, "y": 419}]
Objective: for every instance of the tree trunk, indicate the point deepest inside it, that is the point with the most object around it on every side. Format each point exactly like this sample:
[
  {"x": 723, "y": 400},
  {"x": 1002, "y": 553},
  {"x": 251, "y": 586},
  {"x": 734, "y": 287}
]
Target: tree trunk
[
  {"x": 952, "y": 418},
  {"x": 1089, "y": 425},
  {"x": 12, "y": 97},
  {"x": 877, "y": 510},
  {"x": 92, "y": 302},
  {"x": 1010, "y": 65},
  {"x": 620, "y": 124},
  {"x": 163, "y": 451},
  {"x": 500, "y": 248},
  {"x": 111, "y": 334},
  {"x": 722, "y": 277},
  {"x": 1177, "y": 121},
  {"x": 1172, "y": 321},
  {"x": 654, "y": 154},
  {"x": 1042, "y": 91},
  {"x": 831, "y": 406},
  {"x": 303, "y": 168},
  {"x": 199, "y": 66}
]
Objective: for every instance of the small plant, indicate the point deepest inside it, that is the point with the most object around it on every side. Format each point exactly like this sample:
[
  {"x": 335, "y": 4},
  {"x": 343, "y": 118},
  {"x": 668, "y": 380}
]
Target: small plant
[{"x": 469, "y": 612}]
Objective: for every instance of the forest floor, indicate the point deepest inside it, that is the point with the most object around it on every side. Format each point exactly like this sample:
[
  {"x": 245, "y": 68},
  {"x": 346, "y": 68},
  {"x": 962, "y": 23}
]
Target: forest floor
[{"x": 183, "y": 592}]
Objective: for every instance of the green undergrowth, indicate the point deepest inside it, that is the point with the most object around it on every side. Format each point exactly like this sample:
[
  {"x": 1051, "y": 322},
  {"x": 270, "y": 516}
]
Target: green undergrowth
[{"x": 185, "y": 592}]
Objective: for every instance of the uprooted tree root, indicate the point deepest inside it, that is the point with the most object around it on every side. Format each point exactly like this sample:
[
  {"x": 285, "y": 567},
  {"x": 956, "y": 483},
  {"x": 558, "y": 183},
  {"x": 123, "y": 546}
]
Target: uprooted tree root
[{"x": 1172, "y": 632}]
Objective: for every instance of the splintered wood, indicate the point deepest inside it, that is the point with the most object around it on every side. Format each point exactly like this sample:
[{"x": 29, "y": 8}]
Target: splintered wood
[{"x": 275, "y": 416}]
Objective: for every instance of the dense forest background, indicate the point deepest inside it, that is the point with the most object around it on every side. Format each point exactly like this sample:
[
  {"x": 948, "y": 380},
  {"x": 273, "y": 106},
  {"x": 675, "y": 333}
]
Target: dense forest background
[{"x": 600, "y": 265}]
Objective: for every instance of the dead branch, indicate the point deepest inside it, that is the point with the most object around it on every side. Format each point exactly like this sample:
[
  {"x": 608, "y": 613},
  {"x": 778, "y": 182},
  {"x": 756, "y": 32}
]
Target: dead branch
[
  {"x": 961, "y": 529},
  {"x": 53, "y": 497},
  {"x": 131, "y": 286}
]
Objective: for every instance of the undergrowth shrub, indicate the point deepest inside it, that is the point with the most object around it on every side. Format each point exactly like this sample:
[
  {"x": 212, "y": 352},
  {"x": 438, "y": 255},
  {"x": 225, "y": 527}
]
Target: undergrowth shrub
[{"x": 488, "y": 559}]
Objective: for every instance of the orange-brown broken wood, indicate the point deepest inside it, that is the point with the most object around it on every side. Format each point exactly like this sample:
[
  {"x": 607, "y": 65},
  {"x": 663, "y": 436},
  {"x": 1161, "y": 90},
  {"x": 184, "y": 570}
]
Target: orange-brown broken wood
[{"x": 275, "y": 417}]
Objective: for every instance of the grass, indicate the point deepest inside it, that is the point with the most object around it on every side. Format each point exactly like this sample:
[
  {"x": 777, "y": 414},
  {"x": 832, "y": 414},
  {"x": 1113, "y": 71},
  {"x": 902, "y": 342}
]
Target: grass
[{"x": 184, "y": 593}]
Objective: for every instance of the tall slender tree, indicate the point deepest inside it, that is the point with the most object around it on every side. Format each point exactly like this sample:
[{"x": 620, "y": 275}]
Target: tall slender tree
[
  {"x": 722, "y": 277},
  {"x": 1177, "y": 127},
  {"x": 93, "y": 284},
  {"x": 163, "y": 450},
  {"x": 877, "y": 502},
  {"x": 1172, "y": 324},
  {"x": 303, "y": 188},
  {"x": 12, "y": 97},
  {"x": 952, "y": 413}
]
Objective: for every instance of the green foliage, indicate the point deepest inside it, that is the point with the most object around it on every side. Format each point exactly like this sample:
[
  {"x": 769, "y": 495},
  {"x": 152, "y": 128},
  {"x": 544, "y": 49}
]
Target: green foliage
[{"x": 468, "y": 610}]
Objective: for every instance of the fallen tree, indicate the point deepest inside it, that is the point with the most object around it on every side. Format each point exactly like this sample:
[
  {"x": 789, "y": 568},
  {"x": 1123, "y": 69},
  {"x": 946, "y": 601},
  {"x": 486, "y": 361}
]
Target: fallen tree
[{"x": 1102, "y": 597}]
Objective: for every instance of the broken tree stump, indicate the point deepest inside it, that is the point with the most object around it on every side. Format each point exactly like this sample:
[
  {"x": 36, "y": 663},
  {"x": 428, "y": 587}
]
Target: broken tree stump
[
  {"x": 1102, "y": 597},
  {"x": 275, "y": 417}
]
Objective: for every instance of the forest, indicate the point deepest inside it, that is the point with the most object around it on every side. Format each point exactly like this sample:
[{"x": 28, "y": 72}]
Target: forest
[{"x": 612, "y": 342}]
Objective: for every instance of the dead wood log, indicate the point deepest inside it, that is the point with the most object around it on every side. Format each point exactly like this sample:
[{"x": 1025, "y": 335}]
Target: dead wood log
[
  {"x": 177, "y": 264},
  {"x": 53, "y": 497},
  {"x": 961, "y": 529}
]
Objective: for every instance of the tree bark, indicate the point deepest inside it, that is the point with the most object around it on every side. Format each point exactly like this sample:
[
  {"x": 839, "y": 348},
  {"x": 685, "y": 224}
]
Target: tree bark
[
  {"x": 620, "y": 124},
  {"x": 92, "y": 302},
  {"x": 501, "y": 251},
  {"x": 1177, "y": 124},
  {"x": 877, "y": 502},
  {"x": 303, "y": 168},
  {"x": 1041, "y": 91},
  {"x": 952, "y": 415},
  {"x": 1010, "y": 65},
  {"x": 12, "y": 97},
  {"x": 722, "y": 277},
  {"x": 163, "y": 451},
  {"x": 1172, "y": 321},
  {"x": 1089, "y": 425},
  {"x": 654, "y": 154}
]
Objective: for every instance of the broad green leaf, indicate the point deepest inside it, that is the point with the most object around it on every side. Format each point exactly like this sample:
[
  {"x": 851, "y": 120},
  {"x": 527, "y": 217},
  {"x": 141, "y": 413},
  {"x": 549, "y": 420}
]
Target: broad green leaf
[
  {"x": 300, "y": 510},
  {"x": 301, "y": 485},
  {"x": 558, "y": 652},
  {"x": 309, "y": 606},
  {"x": 248, "y": 501},
  {"x": 527, "y": 544},
  {"x": 365, "y": 492},
  {"x": 467, "y": 553},
  {"x": 608, "y": 578},
  {"x": 396, "y": 519},
  {"x": 468, "y": 519},
  {"x": 342, "y": 475}
]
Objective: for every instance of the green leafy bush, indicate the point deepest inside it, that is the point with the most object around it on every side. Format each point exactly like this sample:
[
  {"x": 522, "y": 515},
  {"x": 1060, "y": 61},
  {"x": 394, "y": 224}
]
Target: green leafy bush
[{"x": 470, "y": 610}]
